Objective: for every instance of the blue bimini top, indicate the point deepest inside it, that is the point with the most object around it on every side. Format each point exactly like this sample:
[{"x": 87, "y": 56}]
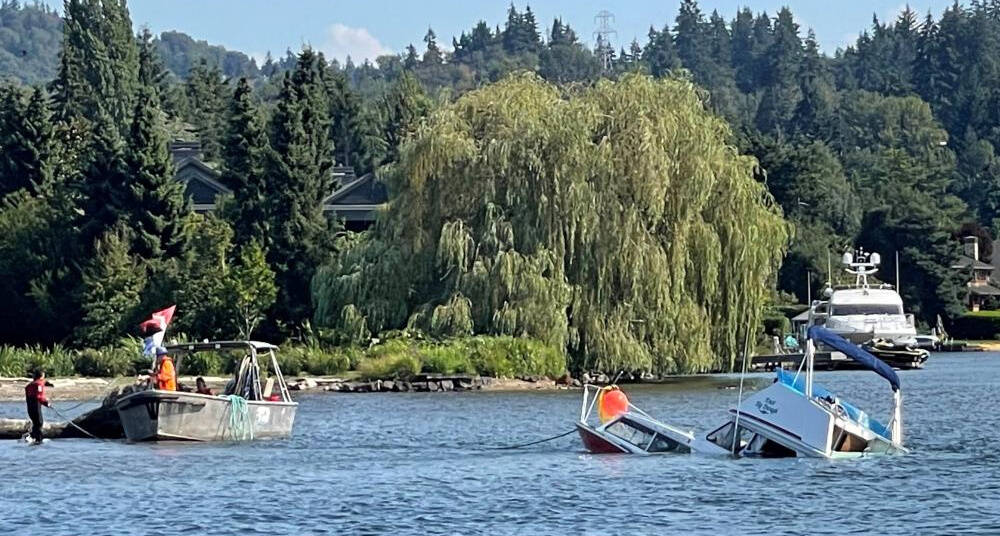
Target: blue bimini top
[{"x": 855, "y": 352}]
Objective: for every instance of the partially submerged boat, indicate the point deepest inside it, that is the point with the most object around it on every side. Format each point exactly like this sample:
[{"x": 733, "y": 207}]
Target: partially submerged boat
[
  {"x": 247, "y": 410},
  {"x": 622, "y": 428},
  {"x": 796, "y": 417}
]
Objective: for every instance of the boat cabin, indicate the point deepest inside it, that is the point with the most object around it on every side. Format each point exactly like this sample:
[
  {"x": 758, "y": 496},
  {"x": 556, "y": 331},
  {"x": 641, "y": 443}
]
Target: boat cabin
[{"x": 245, "y": 358}]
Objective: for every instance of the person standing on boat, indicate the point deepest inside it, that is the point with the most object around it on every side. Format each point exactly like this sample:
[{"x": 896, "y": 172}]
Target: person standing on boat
[
  {"x": 34, "y": 397},
  {"x": 166, "y": 376}
]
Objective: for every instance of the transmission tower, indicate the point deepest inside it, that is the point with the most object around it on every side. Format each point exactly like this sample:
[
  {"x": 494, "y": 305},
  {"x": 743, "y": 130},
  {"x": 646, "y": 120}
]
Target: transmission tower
[{"x": 604, "y": 34}]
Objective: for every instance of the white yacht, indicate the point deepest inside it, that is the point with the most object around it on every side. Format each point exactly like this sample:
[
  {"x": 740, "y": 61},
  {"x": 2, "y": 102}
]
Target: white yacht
[{"x": 864, "y": 312}]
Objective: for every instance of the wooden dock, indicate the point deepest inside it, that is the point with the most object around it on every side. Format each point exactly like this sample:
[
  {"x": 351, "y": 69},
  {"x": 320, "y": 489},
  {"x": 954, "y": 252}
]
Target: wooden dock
[{"x": 827, "y": 361}]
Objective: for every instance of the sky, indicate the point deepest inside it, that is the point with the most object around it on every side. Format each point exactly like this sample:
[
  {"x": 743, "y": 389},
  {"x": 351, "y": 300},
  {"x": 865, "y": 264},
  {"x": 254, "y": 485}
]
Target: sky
[{"x": 369, "y": 28}]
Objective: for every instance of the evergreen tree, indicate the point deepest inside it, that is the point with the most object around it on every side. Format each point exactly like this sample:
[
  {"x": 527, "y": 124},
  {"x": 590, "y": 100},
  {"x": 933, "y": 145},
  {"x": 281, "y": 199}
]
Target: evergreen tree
[
  {"x": 105, "y": 179},
  {"x": 206, "y": 93},
  {"x": 113, "y": 282},
  {"x": 354, "y": 134},
  {"x": 298, "y": 180},
  {"x": 691, "y": 37},
  {"x": 743, "y": 49},
  {"x": 432, "y": 54},
  {"x": 659, "y": 55},
  {"x": 782, "y": 93},
  {"x": 400, "y": 110},
  {"x": 154, "y": 203},
  {"x": 99, "y": 67},
  {"x": 412, "y": 60},
  {"x": 152, "y": 73},
  {"x": 814, "y": 114},
  {"x": 26, "y": 139},
  {"x": 565, "y": 59},
  {"x": 244, "y": 159}
]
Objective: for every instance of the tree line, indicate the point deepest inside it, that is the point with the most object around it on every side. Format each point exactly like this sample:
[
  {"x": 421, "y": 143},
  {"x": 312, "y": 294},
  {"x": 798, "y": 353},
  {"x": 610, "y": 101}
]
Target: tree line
[{"x": 888, "y": 144}]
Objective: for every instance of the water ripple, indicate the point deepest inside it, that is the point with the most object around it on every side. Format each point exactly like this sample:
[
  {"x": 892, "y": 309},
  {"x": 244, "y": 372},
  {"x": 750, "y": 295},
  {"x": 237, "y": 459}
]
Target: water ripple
[{"x": 417, "y": 464}]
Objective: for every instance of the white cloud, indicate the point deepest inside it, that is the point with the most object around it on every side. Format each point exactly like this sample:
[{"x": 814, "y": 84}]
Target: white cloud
[{"x": 342, "y": 41}]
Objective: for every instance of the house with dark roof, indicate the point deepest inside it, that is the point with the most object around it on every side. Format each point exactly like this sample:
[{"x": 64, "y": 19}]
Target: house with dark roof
[
  {"x": 201, "y": 182},
  {"x": 982, "y": 290},
  {"x": 355, "y": 201}
]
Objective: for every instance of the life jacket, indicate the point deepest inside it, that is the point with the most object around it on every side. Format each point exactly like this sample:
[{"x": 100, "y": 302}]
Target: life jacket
[{"x": 166, "y": 379}]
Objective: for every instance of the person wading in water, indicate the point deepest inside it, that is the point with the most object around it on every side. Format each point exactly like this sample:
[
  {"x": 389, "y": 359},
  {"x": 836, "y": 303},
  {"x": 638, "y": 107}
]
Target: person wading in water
[{"x": 34, "y": 397}]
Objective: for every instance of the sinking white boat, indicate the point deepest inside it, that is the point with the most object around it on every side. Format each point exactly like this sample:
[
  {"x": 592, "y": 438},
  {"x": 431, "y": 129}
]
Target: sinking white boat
[
  {"x": 248, "y": 410},
  {"x": 797, "y": 417},
  {"x": 629, "y": 430}
]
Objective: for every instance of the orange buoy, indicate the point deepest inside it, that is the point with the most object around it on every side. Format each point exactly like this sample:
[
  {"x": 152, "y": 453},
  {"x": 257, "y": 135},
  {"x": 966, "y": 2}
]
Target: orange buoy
[{"x": 611, "y": 403}]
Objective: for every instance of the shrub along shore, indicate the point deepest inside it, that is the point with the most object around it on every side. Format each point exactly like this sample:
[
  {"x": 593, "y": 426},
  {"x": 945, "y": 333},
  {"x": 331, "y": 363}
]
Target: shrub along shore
[{"x": 401, "y": 358}]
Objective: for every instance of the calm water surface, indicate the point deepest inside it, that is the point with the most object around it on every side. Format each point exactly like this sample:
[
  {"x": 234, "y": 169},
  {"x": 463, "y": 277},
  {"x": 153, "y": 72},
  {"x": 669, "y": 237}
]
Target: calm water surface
[{"x": 417, "y": 464}]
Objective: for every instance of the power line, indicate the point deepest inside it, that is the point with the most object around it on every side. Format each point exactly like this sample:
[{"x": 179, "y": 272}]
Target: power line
[{"x": 603, "y": 35}]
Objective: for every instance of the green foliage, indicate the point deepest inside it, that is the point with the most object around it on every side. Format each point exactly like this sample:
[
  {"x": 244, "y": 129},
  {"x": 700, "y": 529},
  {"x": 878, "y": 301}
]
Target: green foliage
[
  {"x": 402, "y": 366},
  {"x": 980, "y": 325},
  {"x": 250, "y": 289},
  {"x": 244, "y": 156},
  {"x": 298, "y": 180},
  {"x": 111, "y": 288},
  {"x": 27, "y": 139},
  {"x": 206, "y": 96},
  {"x": 154, "y": 203},
  {"x": 679, "y": 255},
  {"x": 203, "y": 364},
  {"x": 107, "y": 362},
  {"x": 20, "y": 361}
]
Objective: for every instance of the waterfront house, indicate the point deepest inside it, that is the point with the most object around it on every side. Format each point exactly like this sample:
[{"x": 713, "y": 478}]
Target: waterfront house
[
  {"x": 982, "y": 291},
  {"x": 354, "y": 202}
]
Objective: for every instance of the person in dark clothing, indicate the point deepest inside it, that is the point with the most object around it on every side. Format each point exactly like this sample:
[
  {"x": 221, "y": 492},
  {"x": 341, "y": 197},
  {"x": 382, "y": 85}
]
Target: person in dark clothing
[
  {"x": 202, "y": 388},
  {"x": 34, "y": 397}
]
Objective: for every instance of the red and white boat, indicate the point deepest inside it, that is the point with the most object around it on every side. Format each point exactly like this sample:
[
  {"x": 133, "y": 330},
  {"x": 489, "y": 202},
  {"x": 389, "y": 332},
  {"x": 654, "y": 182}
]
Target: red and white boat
[{"x": 621, "y": 428}]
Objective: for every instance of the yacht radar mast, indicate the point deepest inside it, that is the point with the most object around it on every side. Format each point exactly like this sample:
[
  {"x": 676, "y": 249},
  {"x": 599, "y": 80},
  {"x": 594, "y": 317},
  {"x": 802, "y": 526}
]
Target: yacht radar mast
[{"x": 861, "y": 265}]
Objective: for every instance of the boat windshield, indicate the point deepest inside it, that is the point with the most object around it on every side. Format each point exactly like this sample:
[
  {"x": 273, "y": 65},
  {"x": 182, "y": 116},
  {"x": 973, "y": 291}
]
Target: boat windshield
[
  {"x": 641, "y": 436},
  {"x": 867, "y": 309}
]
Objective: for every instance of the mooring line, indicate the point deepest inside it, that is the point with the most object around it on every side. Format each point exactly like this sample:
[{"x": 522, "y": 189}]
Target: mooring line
[{"x": 522, "y": 445}]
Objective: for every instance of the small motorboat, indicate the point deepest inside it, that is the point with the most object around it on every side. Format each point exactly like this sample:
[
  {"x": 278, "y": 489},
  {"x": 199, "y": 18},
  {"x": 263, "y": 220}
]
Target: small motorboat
[
  {"x": 796, "y": 417},
  {"x": 622, "y": 428},
  {"x": 247, "y": 410}
]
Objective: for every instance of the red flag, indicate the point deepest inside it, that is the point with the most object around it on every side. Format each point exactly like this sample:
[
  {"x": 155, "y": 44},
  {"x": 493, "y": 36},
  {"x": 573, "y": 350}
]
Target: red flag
[{"x": 159, "y": 321}]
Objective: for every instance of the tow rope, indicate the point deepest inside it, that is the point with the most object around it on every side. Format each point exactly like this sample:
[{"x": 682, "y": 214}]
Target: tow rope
[
  {"x": 522, "y": 445},
  {"x": 240, "y": 425}
]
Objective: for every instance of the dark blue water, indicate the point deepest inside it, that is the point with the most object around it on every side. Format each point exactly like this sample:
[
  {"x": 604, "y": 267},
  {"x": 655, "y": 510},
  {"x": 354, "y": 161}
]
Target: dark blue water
[{"x": 415, "y": 464}]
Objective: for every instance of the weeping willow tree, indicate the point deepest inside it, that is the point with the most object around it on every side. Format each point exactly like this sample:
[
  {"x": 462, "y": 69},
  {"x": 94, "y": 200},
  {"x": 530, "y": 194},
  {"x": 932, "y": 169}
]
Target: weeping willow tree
[{"x": 615, "y": 221}]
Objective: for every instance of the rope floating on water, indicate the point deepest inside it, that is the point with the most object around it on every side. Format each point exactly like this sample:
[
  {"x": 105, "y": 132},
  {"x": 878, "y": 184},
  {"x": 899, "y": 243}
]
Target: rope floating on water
[
  {"x": 522, "y": 445},
  {"x": 240, "y": 424}
]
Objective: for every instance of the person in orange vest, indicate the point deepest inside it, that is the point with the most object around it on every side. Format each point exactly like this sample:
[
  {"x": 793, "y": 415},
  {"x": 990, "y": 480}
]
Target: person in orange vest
[
  {"x": 166, "y": 376},
  {"x": 34, "y": 397}
]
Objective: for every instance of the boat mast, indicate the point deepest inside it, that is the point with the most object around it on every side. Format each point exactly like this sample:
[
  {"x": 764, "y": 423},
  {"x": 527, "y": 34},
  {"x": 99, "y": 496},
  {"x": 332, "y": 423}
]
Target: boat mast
[{"x": 898, "y": 288}]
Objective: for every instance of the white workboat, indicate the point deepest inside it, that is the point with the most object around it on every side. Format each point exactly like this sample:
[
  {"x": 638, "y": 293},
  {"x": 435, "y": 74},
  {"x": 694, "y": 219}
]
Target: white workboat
[
  {"x": 247, "y": 410},
  {"x": 633, "y": 431},
  {"x": 796, "y": 417}
]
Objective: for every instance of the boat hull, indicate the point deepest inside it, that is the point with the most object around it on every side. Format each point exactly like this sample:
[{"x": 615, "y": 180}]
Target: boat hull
[
  {"x": 155, "y": 415},
  {"x": 595, "y": 443}
]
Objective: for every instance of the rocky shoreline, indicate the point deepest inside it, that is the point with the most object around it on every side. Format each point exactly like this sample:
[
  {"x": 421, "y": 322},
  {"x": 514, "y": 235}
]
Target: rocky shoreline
[{"x": 75, "y": 389}]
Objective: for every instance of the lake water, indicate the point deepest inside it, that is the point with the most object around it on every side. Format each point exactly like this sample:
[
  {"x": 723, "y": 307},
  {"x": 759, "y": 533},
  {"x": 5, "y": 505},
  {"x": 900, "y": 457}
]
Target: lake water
[{"x": 417, "y": 464}]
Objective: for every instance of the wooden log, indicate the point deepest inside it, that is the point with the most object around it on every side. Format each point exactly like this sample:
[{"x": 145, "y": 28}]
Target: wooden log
[{"x": 17, "y": 428}]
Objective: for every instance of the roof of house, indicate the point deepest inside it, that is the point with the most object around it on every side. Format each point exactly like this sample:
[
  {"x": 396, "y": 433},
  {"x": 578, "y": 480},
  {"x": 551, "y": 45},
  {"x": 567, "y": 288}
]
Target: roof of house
[
  {"x": 965, "y": 262},
  {"x": 356, "y": 200},
  {"x": 984, "y": 290}
]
